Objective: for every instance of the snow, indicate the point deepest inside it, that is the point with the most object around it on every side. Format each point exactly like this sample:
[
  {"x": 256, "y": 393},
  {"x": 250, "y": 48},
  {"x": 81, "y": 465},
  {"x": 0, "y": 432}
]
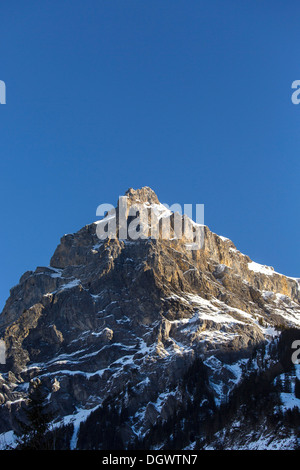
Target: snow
[
  {"x": 105, "y": 219},
  {"x": 19, "y": 400},
  {"x": 224, "y": 238},
  {"x": 237, "y": 369},
  {"x": 221, "y": 268},
  {"x": 175, "y": 297},
  {"x": 288, "y": 314},
  {"x": 159, "y": 210},
  {"x": 8, "y": 440},
  {"x": 259, "y": 439},
  {"x": 57, "y": 272},
  {"x": 283, "y": 298},
  {"x": 162, "y": 399},
  {"x": 70, "y": 285},
  {"x": 189, "y": 270},
  {"x": 267, "y": 295},
  {"x": 268, "y": 270},
  {"x": 76, "y": 419},
  {"x": 269, "y": 331},
  {"x": 259, "y": 268},
  {"x": 268, "y": 442},
  {"x": 209, "y": 311},
  {"x": 219, "y": 312},
  {"x": 217, "y": 368},
  {"x": 289, "y": 401}
]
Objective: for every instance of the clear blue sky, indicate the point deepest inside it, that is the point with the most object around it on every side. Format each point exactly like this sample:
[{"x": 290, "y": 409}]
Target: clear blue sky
[{"x": 190, "y": 97}]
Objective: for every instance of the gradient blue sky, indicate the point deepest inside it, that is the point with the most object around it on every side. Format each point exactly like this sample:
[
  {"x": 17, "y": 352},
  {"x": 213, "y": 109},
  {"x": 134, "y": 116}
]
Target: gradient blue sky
[{"x": 192, "y": 98}]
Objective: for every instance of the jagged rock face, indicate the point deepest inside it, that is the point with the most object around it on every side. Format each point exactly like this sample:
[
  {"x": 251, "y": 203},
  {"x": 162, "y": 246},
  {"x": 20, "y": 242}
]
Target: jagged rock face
[{"x": 111, "y": 314}]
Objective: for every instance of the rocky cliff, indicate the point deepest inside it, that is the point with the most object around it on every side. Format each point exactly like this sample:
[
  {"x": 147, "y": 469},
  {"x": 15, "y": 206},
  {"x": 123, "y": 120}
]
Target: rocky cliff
[{"x": 123, "y": 320}]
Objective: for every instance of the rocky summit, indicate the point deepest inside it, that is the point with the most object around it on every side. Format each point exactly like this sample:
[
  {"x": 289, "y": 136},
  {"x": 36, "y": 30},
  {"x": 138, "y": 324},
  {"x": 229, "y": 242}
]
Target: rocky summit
[{"x": 146, "y": 344}]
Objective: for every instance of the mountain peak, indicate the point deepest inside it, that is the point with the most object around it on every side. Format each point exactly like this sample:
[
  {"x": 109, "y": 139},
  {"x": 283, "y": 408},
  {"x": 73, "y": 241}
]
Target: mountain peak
[{"x": 142, "y": 195}]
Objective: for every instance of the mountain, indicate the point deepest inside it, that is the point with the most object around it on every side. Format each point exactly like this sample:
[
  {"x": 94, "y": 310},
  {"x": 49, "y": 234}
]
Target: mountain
[{"x": 147, "y": 344}]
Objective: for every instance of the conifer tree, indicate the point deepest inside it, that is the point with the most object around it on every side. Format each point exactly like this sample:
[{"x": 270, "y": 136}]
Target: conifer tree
[
  {"x": 36, "y": 429},
  {"x": 297, "y": 388}
]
